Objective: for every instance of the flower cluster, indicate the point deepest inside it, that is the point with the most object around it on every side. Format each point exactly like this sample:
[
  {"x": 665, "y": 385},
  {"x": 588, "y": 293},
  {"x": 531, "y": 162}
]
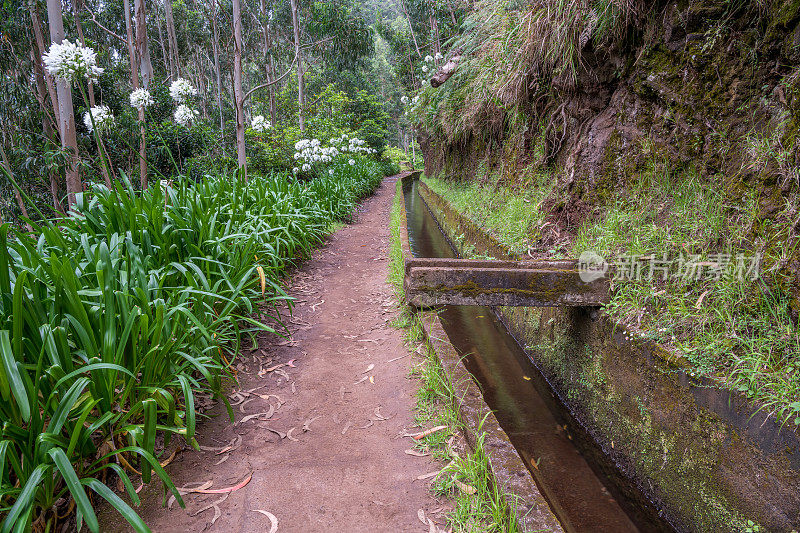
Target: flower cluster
[
  {"x": 404, "y": 100},
  {"x": 354, "y": 145},
  {"x": 103, "y": 119},
  {"x": 428, "y": 59},
  {"x": 69, "y": 61},
  {"x": 310, "y": 151},
  {"x": 181, "y": 90},
  {"x": 141, "y": 98},
  {"x": 260, "y": 124},
  {"x": 184, "y": 115}
]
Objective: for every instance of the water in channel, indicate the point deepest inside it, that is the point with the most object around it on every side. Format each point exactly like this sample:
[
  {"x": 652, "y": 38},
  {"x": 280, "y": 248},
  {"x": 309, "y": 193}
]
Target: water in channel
[{"x": 526, "y": 409}]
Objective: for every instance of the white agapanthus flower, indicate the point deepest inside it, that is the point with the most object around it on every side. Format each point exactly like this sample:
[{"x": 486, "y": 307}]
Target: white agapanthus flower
[
  {"x": 181, "y": 90},
  {"x": 260, "y": 124},
  {"x": 103, "y": 119},
  {"x": 414, "y": 100},
  {"x": 424, "y": 68},
  {"x": 69, "y": 61},
  {"x": 330, "y": 172},
  {"x": 428, "y": 59},
  {"x": 141, "y": 98},
  {"x": 295, "y": 170},
  {"x": 306, "y": 167},
  {"x": 404, "y": 100},
  {"x": 352, "y": 162},
  {"x": 438, "y": 56},
  {"x": 184, "y": 115}
]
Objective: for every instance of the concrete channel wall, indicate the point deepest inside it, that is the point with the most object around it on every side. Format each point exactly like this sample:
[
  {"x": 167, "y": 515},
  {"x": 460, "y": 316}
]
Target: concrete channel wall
[
  {"x": 703, "y": 457},
  {"x": 509, "y": 471}
]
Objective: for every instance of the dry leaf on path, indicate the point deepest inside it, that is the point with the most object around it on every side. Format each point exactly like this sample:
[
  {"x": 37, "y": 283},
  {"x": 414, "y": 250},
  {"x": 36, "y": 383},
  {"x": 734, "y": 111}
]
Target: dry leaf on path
[
  {"x": 289, "y": 435},
  {"x": 416, "y": 453},
  {"x": 265, "y": 414},
  {"x": 232, "y": 488},
  {"x": 372, "y": 379},
  {"x": 433, "y": 528},
  {"x": 379, "y": 416},
  {"x": 346, "y": 427},
  {"x": 419, "y": 436},
  {"x": 369, "y": 368},
  {"x": 362, "y": 380},
  {"x": 421, "y": 516},
  {"x": 224, "y": 458},
  {"x": 428, "y": 475},
  {"x": 272, "y": 518},
  {"x": 463, "y": 487},
  {"x": 210, "y": 505}
]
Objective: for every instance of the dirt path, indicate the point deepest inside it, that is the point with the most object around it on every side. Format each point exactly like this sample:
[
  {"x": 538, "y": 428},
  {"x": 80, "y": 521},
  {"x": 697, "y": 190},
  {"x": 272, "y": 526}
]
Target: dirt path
[{"x": 342, "y": 468}]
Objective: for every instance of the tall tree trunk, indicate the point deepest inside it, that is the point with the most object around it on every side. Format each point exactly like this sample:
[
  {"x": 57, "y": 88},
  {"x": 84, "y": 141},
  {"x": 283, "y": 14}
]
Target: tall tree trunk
[
  {"x": 172, "y": 40},
  {"x": 66, "y": 114},
  {"x": 146, "y": 67},
  {"x": 164, "y": 56},
  {"x": 45, "y": 87},
  {"x": 217, "y": 72},
  {"x": 410, "y": 27},
  {"x": 301, "y": 85},
  {"x": 201, "y": 83},
  {"x": 238, "y": 94},
  {"x": 142, "y": 44},
  {"x": 47, "y": 124},
  {"x": 268, "y": 61}
]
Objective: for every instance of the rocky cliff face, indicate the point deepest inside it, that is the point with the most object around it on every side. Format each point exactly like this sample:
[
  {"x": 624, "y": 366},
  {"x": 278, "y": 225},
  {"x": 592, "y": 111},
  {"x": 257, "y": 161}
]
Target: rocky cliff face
[{"x": 709, "y": 88}]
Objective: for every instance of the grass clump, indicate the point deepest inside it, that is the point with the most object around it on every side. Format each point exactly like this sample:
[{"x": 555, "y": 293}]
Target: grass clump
[{"x": 115, "y": 318}]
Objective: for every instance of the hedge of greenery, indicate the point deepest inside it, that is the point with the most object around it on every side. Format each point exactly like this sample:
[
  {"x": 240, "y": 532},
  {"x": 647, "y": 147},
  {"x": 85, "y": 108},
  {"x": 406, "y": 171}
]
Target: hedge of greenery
[{"x": 112, "y": 319}]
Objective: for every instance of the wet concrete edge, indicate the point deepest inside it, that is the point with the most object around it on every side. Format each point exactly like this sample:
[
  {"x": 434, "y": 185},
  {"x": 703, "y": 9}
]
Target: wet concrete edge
[{"x": 508, "y": 468}]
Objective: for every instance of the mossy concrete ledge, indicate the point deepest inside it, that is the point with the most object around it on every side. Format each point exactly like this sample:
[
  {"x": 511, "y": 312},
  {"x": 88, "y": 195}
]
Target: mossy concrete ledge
[
  {"x": 508, "y": 468},
  {"x": 702, "y": 457}
]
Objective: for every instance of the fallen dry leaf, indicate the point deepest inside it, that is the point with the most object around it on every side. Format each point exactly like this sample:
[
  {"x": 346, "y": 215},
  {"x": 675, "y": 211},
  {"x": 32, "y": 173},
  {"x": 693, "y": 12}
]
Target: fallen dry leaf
[
  {"x": 232, "y": 488},
  {"x": 428, "y": 475},
  {"x": 421, "y": 516},
  {"x": 416, "y": 453},
  {"x": 289, "y": 435},
  {"x": 265, "y": 414},
  {"x": 422, "y": 435},
  {"x": 371, "y": 379},
  {"x": 224, "y": 458},
  {"x": 369, "y": 368},
  {"x": 346, "y": 427},
  {"x": 463, "y": 487},
  {"x": 272, "y": 518}
]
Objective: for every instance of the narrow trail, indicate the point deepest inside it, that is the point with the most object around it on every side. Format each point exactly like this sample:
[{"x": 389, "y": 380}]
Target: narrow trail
[{"x": 331, "y": 457}]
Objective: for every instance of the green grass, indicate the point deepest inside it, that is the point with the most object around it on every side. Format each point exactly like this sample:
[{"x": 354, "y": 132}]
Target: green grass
[
  {"x": 510, "y": 214},
  {"x": 740, "y": 332},
  {"x": 488, "y": 509},
  {"x": 112, "y": 319}
]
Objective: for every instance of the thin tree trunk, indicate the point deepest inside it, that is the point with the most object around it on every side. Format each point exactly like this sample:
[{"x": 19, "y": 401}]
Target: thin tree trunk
[
  {"x": 39, "y": 51},
  {"x": 217, "y": 72},
  {"x": 47, "y": 125},
  {"x": 301, "y": 86},
  {"x": 172, "y": 40},
  {"x": 238, "y": 94},
  {"x": 69, "y": 141},
  {"x": 146, "y": 67},
  {"x": 164, "y": 56},
  {"x": 410, "y": 27},
  {"x": 142, "y": 45},
  {"x": 269, "y": 62},
  {"x": 201, "y": 82}
]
